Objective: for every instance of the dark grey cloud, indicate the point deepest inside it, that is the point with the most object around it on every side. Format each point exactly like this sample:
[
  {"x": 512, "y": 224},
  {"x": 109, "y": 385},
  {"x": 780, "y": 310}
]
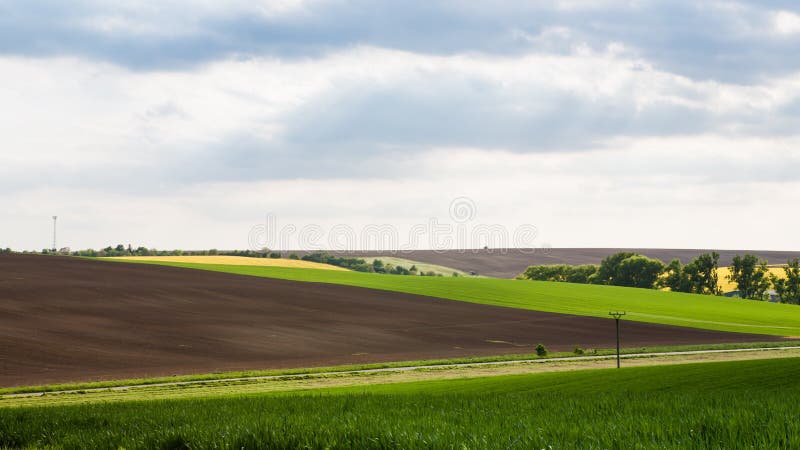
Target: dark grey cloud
[
  {"x": 696, "y": 39},
  {"x": 470, "y": 113}
]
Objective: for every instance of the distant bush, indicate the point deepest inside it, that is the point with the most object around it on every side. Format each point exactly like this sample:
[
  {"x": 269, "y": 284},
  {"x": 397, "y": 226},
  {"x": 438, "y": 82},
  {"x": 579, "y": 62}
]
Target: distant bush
[
  {"x": 560, "y": 272},
  {"x": 541, "y": 350},
  {"x": 356, "y": 264},
  {"x": 578, "y": 351}
]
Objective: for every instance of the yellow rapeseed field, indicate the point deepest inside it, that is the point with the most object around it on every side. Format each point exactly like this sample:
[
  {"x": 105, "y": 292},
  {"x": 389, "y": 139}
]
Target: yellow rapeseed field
[
  {"x": 234, "y": 261},
  {"x": 729, "y": 286}
]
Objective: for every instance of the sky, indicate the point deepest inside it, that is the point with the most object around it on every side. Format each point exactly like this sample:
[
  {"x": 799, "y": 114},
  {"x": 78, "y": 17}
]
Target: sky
[{"x": 381, "y": 124}]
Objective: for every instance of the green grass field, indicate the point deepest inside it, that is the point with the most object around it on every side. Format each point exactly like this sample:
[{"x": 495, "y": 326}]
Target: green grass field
[
  {"x": 644, "y": 305},
  {"x": 745, "y": 404}
]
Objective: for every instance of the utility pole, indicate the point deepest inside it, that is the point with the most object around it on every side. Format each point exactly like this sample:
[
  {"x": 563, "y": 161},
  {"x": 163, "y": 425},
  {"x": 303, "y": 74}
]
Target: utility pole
[
  {"x": 55, "y": 249},
  {"x": 617, "y": 315}
]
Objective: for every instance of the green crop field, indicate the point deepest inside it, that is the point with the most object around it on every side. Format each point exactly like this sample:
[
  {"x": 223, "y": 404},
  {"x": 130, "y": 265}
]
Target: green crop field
[
  {"x": 744, "y": 404},
  {"x": 644, "y": 305}
]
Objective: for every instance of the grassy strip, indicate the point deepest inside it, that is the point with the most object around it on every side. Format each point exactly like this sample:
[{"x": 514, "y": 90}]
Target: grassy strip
[
  {"x": 745, "y": 404},
  {"x": 643, "y": 305},
  {"x": 312, "y": 382},
  {"x": 318, "y": 370}
]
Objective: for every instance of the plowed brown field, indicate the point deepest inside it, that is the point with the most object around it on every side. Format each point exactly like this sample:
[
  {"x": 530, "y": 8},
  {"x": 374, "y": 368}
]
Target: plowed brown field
[{"x": 70, "y": 319}]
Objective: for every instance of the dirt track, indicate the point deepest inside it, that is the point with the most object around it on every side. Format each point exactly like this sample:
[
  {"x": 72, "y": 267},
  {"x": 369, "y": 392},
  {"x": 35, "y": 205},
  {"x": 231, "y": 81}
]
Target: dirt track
[
  {"x": 508, "y": 263},
  {"x": 68, "y": 319}
]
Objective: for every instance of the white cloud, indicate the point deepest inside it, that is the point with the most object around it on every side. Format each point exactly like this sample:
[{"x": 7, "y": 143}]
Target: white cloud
[{"x": 786, "y": 22}]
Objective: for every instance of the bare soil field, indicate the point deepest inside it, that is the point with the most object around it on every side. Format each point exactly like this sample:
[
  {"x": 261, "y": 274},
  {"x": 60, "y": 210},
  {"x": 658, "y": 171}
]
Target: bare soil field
[
  {"x": 68, "y": 319},
  {"x": 508, "y": 263}
]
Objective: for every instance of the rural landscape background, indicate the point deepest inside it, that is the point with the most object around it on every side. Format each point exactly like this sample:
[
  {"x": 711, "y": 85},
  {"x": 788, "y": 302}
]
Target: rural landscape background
[{"x": 345, "y": 224}]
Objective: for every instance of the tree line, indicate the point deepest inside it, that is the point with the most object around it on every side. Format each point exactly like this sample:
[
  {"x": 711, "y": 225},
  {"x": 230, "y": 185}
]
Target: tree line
[
  {"x": 700, "y": 276},
  {"x": 121, "y": 250}
]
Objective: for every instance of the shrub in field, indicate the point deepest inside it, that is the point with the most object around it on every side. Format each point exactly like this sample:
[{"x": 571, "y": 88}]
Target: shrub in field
[
  {"x": 579, "y": 351},
  {"x": 541, "y": 350}
]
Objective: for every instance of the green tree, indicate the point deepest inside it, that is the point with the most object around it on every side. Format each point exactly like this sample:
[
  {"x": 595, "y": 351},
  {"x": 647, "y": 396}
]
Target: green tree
[
  {"x": 703, "y": 274},
  {"x": 628, "y": 269},
  {"x": 581, "y": 274},
  {"x": 638, "y": 271},
  {"x": 554, "y": 272},
  {"x": 788, "y": 289},
  {"x": 609, "y": 268},
  {"x": 751, "y": 276},
  {"x": 700, "y": 276},
  {"x": 675, "y": 277}
]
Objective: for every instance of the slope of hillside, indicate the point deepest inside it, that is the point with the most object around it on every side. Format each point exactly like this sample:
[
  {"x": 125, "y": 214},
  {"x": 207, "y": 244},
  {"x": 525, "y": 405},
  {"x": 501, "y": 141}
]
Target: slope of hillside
[
  {"x": 643, "y": 305},
  {"x": 74, "y": 319}
]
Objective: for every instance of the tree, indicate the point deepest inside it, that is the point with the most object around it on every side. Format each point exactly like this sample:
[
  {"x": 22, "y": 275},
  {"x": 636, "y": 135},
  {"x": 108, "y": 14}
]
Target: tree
[
  {"x": 702, "y": 274},
  {"x": 581, "y": 274},
  {"x": 751, "y": 276},
  {"x": 638, "y": 271},
  {"x": 698, "y": 277},
  {"x": 609, "y": 268},
  {"x": 628, "y": 269},
  {"x": 675, "y": 278},
  {"x": 555, "y": 272},
  {"x": 559, "y": 272},
  {"x": 788, "y": 289}
]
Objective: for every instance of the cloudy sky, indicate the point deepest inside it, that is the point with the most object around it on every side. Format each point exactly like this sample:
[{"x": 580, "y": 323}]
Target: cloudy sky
[{"x": 178, "y": 124}]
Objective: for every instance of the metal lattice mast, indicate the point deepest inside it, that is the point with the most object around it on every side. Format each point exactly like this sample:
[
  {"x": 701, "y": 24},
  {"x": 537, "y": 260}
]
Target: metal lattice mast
[{"x": 55, "y": 248}]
